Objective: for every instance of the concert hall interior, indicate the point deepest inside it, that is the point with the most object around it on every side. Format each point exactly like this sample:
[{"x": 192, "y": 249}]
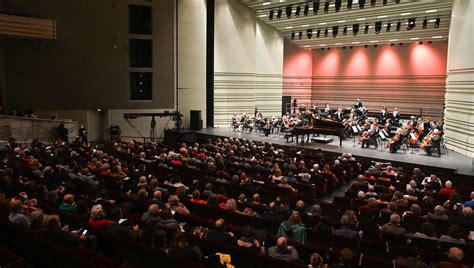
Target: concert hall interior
[{"x": 237, "y": 133}]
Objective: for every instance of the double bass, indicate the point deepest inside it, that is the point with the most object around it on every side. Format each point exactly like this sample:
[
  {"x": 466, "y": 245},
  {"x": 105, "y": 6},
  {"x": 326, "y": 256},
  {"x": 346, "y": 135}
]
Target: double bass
[{"x": 426, "y": 140}]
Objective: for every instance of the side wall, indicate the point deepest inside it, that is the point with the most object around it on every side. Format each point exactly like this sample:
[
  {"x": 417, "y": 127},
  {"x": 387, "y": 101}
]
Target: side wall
[
  {"x": 297, "y": 70},
  {"x": 248, "y": 63},
  {"x": 410, "y": 77}
]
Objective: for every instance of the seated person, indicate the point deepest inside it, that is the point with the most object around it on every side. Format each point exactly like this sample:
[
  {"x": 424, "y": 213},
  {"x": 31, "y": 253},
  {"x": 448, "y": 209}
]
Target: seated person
[
  {"x": 393, "y": 227},
  {"x": 282, "y": 251}
]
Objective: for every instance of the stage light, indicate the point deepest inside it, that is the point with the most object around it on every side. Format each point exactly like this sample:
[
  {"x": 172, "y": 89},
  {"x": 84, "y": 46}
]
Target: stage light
[
  {"x": 306, "y": 10},
  {"x": 337, "y": 4},
  {"x": 378, "y": 27},
  {"x": 344, "y": 32},
  {"x": 289, "y": 10},
  {"x": 351, "y": 47},
  {"x": 326, "y": 7},
  {"x": 298, "y": 11},
  {"x": 349, "y": 4},
  {"x": 399, "y": 26},
  {"x": 366, "y": 46},
  {"x": 315, "y": 7},
  {"x": 270, "y": 17},
  {"x": 397, "y": 1},
  {"x": 335, "y": 31},
  {"x": 355, "y": 29},
  {"x": 421, "y": 42},
  {"x": 389, "y": 26},
  {"x": 425, "y": 23},
  {"x": 373, "y": 2},
  {"x": 366, "y": 29},
  {"x": 326, "y": 32},
  {"x": 436, "y": 25},
  {"x": 384, "y": 2},
  {"x": 279, "y": 12},
  {"x": 361, "y": 4},
  {"x": 411, "y": 23},
  {"x": 309, "y": 33},
  {"x": 300, "y": 35},
  {"x": 293, "y": 36}
]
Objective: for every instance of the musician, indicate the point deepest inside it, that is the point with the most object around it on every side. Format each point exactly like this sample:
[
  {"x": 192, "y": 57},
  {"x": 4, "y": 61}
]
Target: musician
[
  {"x": 396, "y": 116},
  {"x": 302, "y": 109},
  {"x": 235, "y": 121},
  {"x": 358, "y": 104},
  {"x": 383, "y": 115},
  {"x": 338, "y": 116},
  {"x": 327, "y": 109},
  {"x": 433, "y": 142},
  {"x": 370, "y": 136}
]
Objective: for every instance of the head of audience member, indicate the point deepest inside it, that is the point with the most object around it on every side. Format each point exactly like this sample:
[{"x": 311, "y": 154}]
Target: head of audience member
[
  {"x": 416, "y": 210},
  {"x": 467, "y": 212},
  {"x": 456, "y": 255},
  {"x": 448, "y": 184},
  {"x": 173, "y": 200},
  {"x": 439, "y": 210},
  {"x": 68, "y": 199},
  {"x": 231, "y": 205},
  {"x": 455, "y": 231},
  {"x": 395, "y": 219},
  {"x": 37, "y": 218},
  {"x": 372, "y": 202},
  {"x": 295, "y": 218},
  {"x": 346, "y": 257},
  {"x": 392, "y": 207},
  {"x": 97, "y": 212},
  {"x": 282, "y": 243},
  {"x": 219, "y": 225},
  {"x": 361, "y": 195},
  {"x": 166, "y": 214},
  {"x": 428, "y": 229}
]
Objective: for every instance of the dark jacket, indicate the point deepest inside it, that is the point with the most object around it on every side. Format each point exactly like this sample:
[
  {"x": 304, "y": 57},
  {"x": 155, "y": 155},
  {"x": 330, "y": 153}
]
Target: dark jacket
[{"x": 283, "y": 254}]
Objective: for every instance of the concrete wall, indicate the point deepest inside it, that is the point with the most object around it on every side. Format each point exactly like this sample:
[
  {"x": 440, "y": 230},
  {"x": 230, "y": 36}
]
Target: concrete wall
[{"x": 87, "y": 67}]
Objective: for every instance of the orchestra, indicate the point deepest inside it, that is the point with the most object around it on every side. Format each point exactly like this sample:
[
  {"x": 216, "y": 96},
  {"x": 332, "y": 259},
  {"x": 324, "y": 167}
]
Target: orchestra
[{"x": 386, "y": 127}]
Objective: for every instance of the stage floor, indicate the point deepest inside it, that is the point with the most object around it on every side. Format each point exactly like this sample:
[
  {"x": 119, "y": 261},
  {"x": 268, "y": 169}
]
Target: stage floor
[{"x": 461, "y": 163}]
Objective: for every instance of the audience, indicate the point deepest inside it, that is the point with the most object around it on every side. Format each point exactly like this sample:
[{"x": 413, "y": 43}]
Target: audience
[{"x": 282, "y": 251}]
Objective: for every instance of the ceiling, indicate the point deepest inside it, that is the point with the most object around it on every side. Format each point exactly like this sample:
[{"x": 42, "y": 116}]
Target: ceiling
[{"x": 369, "y": 15}]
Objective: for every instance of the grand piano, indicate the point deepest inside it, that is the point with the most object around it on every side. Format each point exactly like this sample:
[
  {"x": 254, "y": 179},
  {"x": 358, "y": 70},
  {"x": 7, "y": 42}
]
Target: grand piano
[{"x": 322, "y": 127}]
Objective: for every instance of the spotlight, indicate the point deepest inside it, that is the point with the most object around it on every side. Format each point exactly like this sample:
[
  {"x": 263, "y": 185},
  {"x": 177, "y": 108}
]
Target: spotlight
[
  {"x": 373, "y": 2},
  {"x": 425, "y": 23},
  {"x": 335, "y": 31},
  {"x": 389, "y": 25},
  {"x": 270, "y": 17},
  {"x": 306, "y": 10},
  {"x": 397, "y": 1},
  {"x": 315, "y": 7},
  {"x": 366, "y": 46},
  {"x": 289, "y": 10},
  {"x": 329, "y": 48},
  {"x": 399, "y": 26},
  {"x": 344, "y": 32},
  {"x": 326, "y": 32},
  {"x": 366, "y": 29},
  {"x": 322, "y": 49},
  {"x": 318, "y": 33},
  {"x": 298, "y": 10},
  {"x": 421, "y": 42},
  {"x": 384, "y": 2},
  {"x": 392, "y": 44},
  {"x": 326, "y": 7},
  {"x": 279, "y": 12},
  {"x": 351, "y": 47},
  {"x": 400, "y": 44},
  {"x": 337, "y": 4},
  {"x": 355, "y": 29},
  {"x": 378, "y": 27},
  {"x": 309, "y": 33},
  {"x": 376, "y": 45},
  {"x": 361, "y": 4},
  {"x": 344, "y": 47},
  {"x": 300, "y": 35},
  {"x": 436, "y": 25},
  {"x": 411, "y": 23},
  {"x": 429, "y": 42},
  {"x": 293, "y": 36},
  {"x": 349, "y": 4}
]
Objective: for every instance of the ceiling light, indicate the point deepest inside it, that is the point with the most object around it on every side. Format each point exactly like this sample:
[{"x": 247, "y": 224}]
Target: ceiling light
[
  {"x": 266, "y": 3},
  {"x": 279, "y": 12},
  {"x": 306, "y": 25},
  {"x": 307, "y": 46},
  {"x": 341, "y": 21},
  {"x": 437, "y": 37},
  {"x": 425, "y": 23},
  {"x": 338, "y": 44},
  {"x": 306, "y": 10},
  {"x": 333, "y": 5},
  {"x": 405, "y": 14},
  {"x": 298, "y": 11},
  {"x": 431, "y": 11},
  {"x": 326, "y": 7},
  {"x": 355, "y": 43},
  {"x": 263, "y": 16},
  {"x": 433, "y": 20},
  {"x": 289, "y": 27},
  {"x": 383, "y": 16},
  {"x": 359, "y": 19},
  {"x": 315, "y": 7},
  {"x": 393, "y": 40},
  {"x": 374, "y": 41},
  {"x": 411, "y": 23},
  {"x": 323, "y": 23},
  {"x": 437, "y": 22},
  {"x": 415, "y": 38},
  {"x": 322, "y": 45},
  {"x": 309, "y": 33}
]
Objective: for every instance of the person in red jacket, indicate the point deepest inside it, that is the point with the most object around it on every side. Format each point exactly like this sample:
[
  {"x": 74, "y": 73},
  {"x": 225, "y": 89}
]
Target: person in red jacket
[
  {"x": 98, "y": 218},
  {"x": 447, "y": 190}
]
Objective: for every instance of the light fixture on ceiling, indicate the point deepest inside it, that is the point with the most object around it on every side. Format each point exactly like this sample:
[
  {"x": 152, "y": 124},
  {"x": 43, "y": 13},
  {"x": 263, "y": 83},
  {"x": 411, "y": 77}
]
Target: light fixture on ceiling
[
  {"x": 289, "y": 10},
  {"x": 405, "y": 14},
  {"x": 300, "y": 35},
  {"x": 326, "y": 7},
  {"x": 293, "y": 36},
  {"x": 318, "y": 33},
  {"x": 361, "y": 4},
  {"x": 315, "y": 7},
  {"x": 335, "y": 31},
  {"x": 399, "y": 26},
  {"x": 279, "y": 12},
  {"x": 337, "y": 6},
  {"x": 349, "y": 4},
  {"x": 309, "y": 33},
  {"x": 306, "y": 10},
  {"x": 384, "y": 2},
  {"x": 437, "y": 37},
  {"x": 355, "y": 29},
  {"x": 270, "y": 16},
  {"x": 411, "y": 23},
  {"x": 266, "y": 3},
  {"x": 366, "y": 29},
  {"x": 425, "y": 23},
  {"x": 326, "y": 32},
  {"x": 431, "y": 11},
  {"x": 438, "y": 20},
  {"x": 414, "y": 38},
  {"x": 298, "y": 10},
  {"x": 344, "y": 32},
  {"x": 373, "y": 2},
  {"x": 378, "y": 27}
]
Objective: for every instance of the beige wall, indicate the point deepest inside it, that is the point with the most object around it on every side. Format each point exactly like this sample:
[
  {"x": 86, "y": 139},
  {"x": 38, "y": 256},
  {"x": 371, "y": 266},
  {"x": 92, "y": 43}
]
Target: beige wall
[
  {"x": 192, "y": 58},
  {"x": 82, "y": 69}
]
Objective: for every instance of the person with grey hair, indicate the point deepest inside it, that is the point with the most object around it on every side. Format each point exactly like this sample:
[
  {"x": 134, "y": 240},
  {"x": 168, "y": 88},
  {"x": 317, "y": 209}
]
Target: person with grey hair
[
  {"x": 410, "y": 196},
  {"x": 393, "y": 227},
  {"x": 439, "y": 214},
  {"x": 176, "y": 206},
  {"x": 371, "y": 192},
  {"x": 455, "y": 255},
  {"x": 447, "y": 190},
  {"x": 399, "y": 200}
]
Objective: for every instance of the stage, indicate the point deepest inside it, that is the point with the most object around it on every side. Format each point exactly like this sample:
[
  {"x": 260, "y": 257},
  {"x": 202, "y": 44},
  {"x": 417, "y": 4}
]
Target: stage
[{"x": 461, "y": 164}]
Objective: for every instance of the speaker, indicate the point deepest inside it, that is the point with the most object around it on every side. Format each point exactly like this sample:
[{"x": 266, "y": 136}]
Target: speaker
[{"x": 196, "y": 120}]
